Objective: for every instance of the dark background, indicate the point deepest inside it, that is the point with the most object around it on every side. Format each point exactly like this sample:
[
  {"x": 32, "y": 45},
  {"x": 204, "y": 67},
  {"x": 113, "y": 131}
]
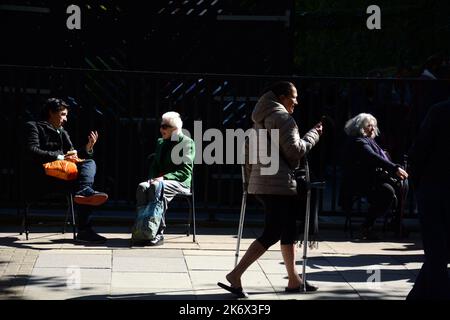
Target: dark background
[
  {"x": 131, "y": 61},
  {"x": 322, "y": 38}
]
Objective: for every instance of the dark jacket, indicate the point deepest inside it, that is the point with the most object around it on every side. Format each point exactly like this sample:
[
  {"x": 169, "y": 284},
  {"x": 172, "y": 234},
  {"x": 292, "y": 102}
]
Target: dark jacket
[
  {"x": 163, "y": 166},
  {"x": 430, "y": 154},
  {"x": 361, "y": 158},
  {"x": 43, "y": 143}
]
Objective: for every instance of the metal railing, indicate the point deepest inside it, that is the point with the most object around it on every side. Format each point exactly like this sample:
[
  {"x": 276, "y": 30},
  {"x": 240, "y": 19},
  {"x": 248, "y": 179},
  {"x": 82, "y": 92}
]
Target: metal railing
[{"x": 125, "y": 107}]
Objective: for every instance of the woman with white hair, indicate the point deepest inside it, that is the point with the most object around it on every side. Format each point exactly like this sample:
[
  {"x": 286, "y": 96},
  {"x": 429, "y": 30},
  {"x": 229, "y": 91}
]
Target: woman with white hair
[
  {"x": 363, "y": 158},
  {"x": 175, "y": 173}
]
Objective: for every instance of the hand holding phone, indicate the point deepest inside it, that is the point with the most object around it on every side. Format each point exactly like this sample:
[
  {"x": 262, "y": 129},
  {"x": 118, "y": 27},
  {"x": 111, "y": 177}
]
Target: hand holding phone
[{"x": 319, "y": 128}]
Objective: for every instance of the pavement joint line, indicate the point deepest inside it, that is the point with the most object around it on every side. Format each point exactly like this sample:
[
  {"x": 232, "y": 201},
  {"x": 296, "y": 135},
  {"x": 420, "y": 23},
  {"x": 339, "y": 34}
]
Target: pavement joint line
[{"x": 333, "y": 248}]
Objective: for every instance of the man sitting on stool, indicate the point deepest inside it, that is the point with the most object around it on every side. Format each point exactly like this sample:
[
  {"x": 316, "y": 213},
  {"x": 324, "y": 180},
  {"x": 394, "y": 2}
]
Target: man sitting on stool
[{"x": 47, "y": 141}]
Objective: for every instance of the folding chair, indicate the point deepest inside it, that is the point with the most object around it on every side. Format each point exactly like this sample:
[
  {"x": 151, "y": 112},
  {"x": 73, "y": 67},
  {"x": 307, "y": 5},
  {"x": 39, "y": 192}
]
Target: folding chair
[
  {"x": 70, "y": 211},
  {"x": 398, "y": 203},
  {"x": 190, "y": 198}
]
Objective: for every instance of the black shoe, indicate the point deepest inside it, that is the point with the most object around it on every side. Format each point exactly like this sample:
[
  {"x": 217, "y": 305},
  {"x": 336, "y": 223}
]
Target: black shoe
[
  {"x": 397, "y": 228},
  {"x": 158, "y": 241},
  {"x": 367, "y": 233},
  {"x": 309, "y": 288},
  {"x": 238, "y": 292},
  {"x": 90, "y": 236},
  {"x": 90, "y": 197}
]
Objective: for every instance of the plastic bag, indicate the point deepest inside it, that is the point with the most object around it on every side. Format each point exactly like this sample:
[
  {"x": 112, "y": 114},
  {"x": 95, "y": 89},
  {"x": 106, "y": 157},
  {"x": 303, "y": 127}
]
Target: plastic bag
[
  {"x": 61, "y": 169},
  {"x": 149, "y": 217}
]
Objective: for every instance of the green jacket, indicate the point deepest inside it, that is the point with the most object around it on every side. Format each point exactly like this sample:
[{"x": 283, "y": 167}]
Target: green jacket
[{"x": 163, "y": 165}]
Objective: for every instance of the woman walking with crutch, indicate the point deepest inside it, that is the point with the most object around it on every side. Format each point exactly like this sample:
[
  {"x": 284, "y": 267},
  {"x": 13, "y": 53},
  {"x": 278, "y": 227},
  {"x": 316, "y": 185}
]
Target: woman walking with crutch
[{"x": 277, "y": 192}]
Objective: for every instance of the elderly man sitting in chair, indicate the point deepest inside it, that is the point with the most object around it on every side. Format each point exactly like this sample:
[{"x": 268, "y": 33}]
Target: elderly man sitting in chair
[{"x": 172, "y": 163}]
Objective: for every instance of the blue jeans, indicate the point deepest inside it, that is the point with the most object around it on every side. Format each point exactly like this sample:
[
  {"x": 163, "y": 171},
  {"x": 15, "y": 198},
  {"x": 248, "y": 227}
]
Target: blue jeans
[
  {"x": 86, "y": 175},
  {"x": 146, "y": 193}
]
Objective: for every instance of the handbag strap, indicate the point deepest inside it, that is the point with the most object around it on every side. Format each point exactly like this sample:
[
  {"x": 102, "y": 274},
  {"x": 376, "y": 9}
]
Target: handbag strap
[{"x": 159, "y": 190}]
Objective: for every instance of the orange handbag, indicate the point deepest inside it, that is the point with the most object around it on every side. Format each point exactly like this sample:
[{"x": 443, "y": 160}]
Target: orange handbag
[{"x": 61, "y": 169}]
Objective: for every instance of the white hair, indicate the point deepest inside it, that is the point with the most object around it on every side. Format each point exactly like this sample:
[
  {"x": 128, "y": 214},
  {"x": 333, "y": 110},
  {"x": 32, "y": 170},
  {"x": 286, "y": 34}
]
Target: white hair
[
  {"x": 173, "y": 119},
  {"x": 356, "y": 125}
]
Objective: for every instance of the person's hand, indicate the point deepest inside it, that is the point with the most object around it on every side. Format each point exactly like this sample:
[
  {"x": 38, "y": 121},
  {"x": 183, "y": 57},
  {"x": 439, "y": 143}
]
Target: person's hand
[
  {"x": 71, "y": 155},
  {"x": 156, "y": 179},
  {"x": 319, "y": 128},
  {"x": 92, "y": 139},
  {"x": 402, "y": 173}
]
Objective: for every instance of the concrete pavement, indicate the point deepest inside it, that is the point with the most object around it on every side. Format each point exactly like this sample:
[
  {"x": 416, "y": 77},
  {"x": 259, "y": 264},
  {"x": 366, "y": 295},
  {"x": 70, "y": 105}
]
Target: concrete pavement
[{"x": 50, "y": 266}]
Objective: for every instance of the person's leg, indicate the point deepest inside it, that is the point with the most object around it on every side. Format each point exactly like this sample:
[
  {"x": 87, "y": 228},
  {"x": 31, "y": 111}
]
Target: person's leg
[
  {"x": 401, "y": 193},
  {"x": 420, "y": 285},
  {"x": 288, "y": 252},
  {"x": 380, "y": 200},
  {"x": 254, "y": 251},
  {"x": 434, "y": 217},
  {"x": 270, "y": 235},
  {"x": 84, "y": 193},
  {"x": 85, "y": 197},
  {"x": 86, "y": 173},
  {"x": 290, "y": 205},
  {"x": 83, "y": 217},
  {"x": 171, "y": 188},
  {"x": 143, "y": 194}
]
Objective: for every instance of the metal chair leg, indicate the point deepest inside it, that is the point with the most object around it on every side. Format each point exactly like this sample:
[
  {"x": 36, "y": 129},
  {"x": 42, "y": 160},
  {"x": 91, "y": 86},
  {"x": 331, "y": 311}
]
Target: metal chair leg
[
  {"x": 20, "y": 215},
  {"x": 193, "y": 218},
  {"x": 72, "y": 211},
  {"x": 26, "y": 225},
  {"x": 66, "y": 219},
  {"x": 188, "y": 226},
  {"x": 348, "y": 223},
  {"x": 24, "y": 214},
  {"x": 22, "y": 223}
]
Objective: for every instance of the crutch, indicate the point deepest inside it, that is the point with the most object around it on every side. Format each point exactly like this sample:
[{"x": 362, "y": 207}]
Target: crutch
[
  {"x": 309, "y": 186},
  {"x": 242, "y": 217},
  {"x": 307, "y": 213},
  {"x": 404, "y": 188}
]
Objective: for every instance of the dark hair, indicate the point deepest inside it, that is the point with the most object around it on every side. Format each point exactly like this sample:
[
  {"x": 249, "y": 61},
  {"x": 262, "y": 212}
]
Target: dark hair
[
  {"x": 53, "y": 105},
  {"x": 281, "y": 88}
]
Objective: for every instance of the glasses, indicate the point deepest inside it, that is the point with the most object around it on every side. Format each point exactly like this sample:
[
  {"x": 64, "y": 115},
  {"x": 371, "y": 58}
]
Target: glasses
[{"x": 165, "y": 126}]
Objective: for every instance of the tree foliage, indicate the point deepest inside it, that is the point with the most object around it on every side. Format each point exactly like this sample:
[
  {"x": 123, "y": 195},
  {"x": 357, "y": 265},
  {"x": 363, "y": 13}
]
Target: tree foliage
[{"x": 331, "y": 37}]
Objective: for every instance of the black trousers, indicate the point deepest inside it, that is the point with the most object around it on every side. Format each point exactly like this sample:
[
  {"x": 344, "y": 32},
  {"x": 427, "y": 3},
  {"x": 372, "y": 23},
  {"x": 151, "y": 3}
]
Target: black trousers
[
  {"x": 380, "y": 198},
  {"x": 281, "y": 213},
  {"x": 433, "y": 281}
]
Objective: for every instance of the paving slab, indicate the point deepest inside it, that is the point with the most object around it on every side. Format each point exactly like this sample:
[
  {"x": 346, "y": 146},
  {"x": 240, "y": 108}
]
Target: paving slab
[
  {"x": 86, "y": 292},
  {"x": 214, "y": 263},
  {"x": 183, "y": 270},
  {"x": 149, "y": 264},
  {"x": 151, "y": 252},
  {"x": 151, "y": 280},
  {"x": 151, "y": 294},
  {"x": 79, "y": 260},
  {"x": 64, "y": 276}
]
